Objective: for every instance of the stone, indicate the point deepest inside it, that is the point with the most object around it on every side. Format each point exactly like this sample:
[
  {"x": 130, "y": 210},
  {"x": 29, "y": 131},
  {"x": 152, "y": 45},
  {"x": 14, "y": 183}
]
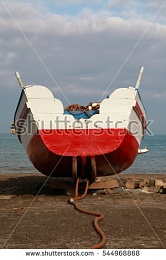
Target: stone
[
  {"x": 146, "y": 183},
  {"x": 159, "y": 183},
  {"x": 130, "y": 184},
  {"x": 108, "y": 191},
  {"x": 164, "y": 189}
]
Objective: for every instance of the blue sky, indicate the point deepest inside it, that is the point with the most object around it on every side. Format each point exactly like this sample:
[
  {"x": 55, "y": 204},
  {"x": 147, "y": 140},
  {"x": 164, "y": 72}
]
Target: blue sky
[
  {"x": 129, "y": 8},
  {"x": 82, "y": 50},
  {"x": 74, "y": 7}
]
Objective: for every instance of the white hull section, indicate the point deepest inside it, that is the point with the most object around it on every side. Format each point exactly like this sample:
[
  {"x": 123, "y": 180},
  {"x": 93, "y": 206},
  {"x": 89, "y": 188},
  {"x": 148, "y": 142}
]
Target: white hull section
[
  {"x": 107, "y": 142},
  {"x": 123, "y": 109}
]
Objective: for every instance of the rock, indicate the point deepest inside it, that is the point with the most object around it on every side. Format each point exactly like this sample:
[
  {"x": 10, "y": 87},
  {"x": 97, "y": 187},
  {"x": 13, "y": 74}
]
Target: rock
[
  {"x": 142, "y": 184},
  {"x": 131, "y": 184},
  {"x": 146, "y": 190},
  {"x": 146, "y": 183},
  {"x": 94, "y": 194},
  {"x": 100, "y": 192},
  {"x": 108, "y": 191},
  {"x": 164, "y": 189},
  {"x": 159, "y": 183}
]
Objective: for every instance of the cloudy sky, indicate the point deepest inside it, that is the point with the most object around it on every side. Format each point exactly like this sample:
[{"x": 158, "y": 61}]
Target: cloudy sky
[{"x": 83, "y": 50}]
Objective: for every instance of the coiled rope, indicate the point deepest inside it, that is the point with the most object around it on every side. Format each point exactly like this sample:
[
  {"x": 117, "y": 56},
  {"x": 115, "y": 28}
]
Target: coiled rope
[{"x": 98, "y": 215}]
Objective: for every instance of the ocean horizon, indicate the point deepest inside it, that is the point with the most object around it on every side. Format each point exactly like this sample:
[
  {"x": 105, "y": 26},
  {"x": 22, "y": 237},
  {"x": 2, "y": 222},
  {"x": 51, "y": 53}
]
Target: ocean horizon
[{"x": 13, "y": 158}]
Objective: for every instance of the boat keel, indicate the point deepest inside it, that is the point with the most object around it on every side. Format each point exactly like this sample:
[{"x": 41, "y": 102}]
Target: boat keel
[{"x": 84, "y": 168}]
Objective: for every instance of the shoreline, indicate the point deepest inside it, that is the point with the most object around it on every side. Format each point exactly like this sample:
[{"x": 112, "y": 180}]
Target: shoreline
[
  {"x": 118, "y": 176},
  {"x": 122, "y": 173}
]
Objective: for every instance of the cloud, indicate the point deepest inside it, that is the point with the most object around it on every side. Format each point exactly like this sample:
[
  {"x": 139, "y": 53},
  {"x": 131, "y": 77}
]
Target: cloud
[{"x": 83, "y": 53}]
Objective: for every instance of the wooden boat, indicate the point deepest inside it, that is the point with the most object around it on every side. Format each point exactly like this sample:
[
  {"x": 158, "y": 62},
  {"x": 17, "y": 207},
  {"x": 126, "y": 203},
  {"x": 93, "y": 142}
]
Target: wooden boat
[{"x": 64, "y": 143}]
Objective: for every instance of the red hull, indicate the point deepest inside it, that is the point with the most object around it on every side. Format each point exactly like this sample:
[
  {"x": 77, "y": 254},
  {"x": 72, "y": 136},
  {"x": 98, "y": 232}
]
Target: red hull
[{"x": 51, "y": 151}]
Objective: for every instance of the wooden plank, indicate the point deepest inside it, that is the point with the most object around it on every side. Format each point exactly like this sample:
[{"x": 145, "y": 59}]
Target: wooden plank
[{"x": 107, "y": 184}]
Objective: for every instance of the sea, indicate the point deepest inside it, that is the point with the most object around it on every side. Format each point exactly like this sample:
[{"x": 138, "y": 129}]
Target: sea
[{"x": 13, "y": 158}]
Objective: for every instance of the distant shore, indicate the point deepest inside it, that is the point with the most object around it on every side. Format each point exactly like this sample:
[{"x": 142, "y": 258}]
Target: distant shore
[{"x": 141, "y": 175}]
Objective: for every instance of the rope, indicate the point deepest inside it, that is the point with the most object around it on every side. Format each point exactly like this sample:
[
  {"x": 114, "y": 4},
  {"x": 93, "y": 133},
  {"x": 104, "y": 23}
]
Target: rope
[{"x": 98, "y": 215}]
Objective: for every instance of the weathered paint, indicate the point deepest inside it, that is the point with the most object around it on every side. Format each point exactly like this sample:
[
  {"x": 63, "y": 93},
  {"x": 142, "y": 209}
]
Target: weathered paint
[
  {"x": 112, "y": 137},
  {"x": 48, "y": 162}
]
